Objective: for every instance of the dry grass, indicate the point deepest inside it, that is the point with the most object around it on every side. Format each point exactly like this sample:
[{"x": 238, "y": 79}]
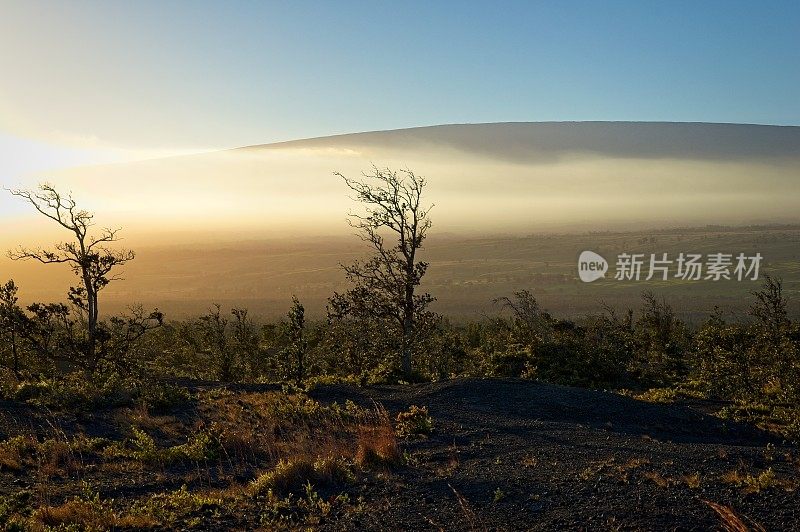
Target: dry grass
[
  {"x": 624, "y": 471},
  {"x": 14, "y": 451},
  {"x": 634, "y": 463},
  {"x": 254, "y": 428},
  {"x": 292, "y": 476},
  {"x": 377, "y": 447},
  {"x": 657, "y": 478},
  {"x": 85, "y": 515},
  {"x": 692, "y": 481},
  {"x": 752, "y": 483},
  {"x": 733, "y": 477},
  {"x": 140, "y": 416},
  {"x": 56, "y": 458},
  {"x": 287, "y": 477},
  {"x": 51, "y": 457},
  {"x": 609, "y": 466},
  {"x": 10, "y": 459}
]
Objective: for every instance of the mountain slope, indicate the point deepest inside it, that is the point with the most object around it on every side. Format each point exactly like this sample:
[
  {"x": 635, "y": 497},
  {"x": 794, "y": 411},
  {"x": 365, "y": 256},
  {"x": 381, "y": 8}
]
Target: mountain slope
[{"x": 546, "y": 141}]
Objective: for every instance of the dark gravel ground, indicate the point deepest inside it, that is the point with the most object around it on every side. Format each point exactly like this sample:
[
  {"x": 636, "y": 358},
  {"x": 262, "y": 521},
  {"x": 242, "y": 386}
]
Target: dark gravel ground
[
  {"x": 516, "y": 455},
  {"x": 522, "y": 455}
]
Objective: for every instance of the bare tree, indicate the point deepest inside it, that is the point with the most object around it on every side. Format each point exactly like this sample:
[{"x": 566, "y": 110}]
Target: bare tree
[
  {"x": 86, "y": 254},
  {"x": 389, "y": 279},
  {"x": 773, "y": 326},
  {"x": 529, "y": 321},
  {"x": 213, "y": 330},
  {"x": 770, "y": 307}
]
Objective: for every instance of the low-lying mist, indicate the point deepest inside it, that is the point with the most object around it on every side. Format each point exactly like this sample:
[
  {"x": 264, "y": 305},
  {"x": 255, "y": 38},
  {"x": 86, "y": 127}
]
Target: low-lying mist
[{"x": 260, "y": 223}]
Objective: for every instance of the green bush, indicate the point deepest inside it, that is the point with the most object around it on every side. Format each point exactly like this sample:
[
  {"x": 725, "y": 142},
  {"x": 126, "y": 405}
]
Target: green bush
[
  {"x": 201, "y": 446},
  {"x": 415, "y": 421},
  {"x": 162, "y": 397},
  {"x": 516, "y": 361}
]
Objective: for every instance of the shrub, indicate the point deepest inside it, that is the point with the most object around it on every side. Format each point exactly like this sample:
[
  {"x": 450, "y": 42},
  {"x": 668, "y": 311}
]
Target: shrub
[
  {"x": 498, "y": 495},
  {"x": 333, "y": 471},
  {"x": 415, "y": 421},
  {"x": 13, "y": 450},
  {"x": 202, "y": 446},
  {"x": 144, "y": 447},
  {"x": 164, "y": 397},
  {"x": 26, "y": 391},
  {"x": 170, "y": 508},
  {"x": 8, "y": 383},
  {"x": 14, "y": 508},
  {"x": 658, "y": 395},
  {"x": 74, "y": 392},
  {"x": 289, "y": 476},
  {"x": 516, "y": 361},
  {"x": 309, "y": 508}
]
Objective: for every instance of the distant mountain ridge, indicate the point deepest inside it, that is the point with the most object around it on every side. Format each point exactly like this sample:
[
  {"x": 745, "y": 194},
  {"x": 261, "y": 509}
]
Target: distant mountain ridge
[
  {"x": 536, "y": 141},
  {"x": 495, "y": 178}
]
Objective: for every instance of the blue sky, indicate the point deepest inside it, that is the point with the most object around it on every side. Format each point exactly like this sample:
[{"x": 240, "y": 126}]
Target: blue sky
[{"x": 144, "y": 78}]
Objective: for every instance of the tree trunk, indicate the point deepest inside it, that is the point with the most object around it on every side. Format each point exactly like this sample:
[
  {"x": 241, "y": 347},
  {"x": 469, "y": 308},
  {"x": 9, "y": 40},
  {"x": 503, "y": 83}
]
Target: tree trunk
[
  {"x": 300, "y": 368},
  {"x": 14, "y": 353},
  {"x": 91, "y": 319},
  {"x": 408, "y": 333},
  {"x": 406, "y": 361},
  {"x": 408, "y": 309}
]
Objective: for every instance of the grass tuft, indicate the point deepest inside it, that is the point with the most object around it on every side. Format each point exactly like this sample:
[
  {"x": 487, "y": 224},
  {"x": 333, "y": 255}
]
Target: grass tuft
[{"x": 292, "y": 476}]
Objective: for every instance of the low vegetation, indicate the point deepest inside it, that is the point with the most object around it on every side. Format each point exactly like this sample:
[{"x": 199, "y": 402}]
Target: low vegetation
[{"x": 286, "y": 454}]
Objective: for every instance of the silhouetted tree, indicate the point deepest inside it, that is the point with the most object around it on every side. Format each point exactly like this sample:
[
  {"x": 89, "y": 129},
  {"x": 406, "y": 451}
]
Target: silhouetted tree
[
  {"x": 395, "y": 225},
  {"x": 770, "y": 310},
  {"x": 298, "y": 346},
  {"x": 90, "y": 260},
  {"x": 12, "y": 323},
  {"x": 245, "y": 341},
  {"x": 662, "y": 338},
  {"x": 773, "y": 332},
  {"x": 357, "y": 336},
  {"x": 529, "y": 323},
  {"x": 214, "y": 342},
  {"x": 51, "y": 332}
]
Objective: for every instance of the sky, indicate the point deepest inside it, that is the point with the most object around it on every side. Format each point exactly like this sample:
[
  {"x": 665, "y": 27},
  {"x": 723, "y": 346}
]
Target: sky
[
  {"x": 90, "y": 82},
  {"x": 155, "y": 76}
]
